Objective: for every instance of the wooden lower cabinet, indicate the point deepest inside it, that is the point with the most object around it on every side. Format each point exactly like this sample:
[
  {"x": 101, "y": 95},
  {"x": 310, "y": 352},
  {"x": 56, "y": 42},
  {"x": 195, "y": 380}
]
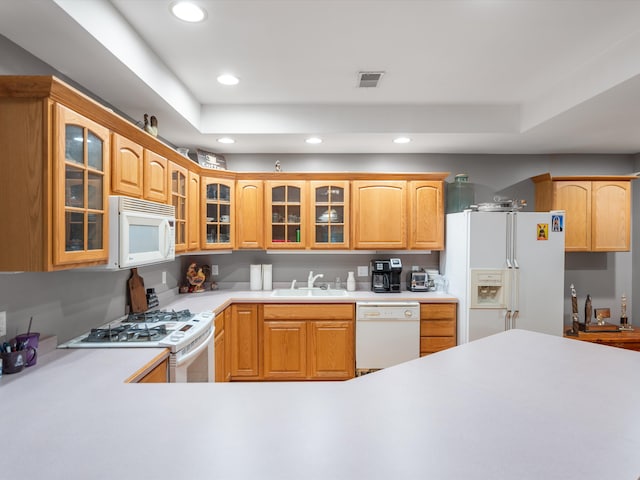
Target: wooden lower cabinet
[
  {"x": 156, "y": 371},
  {"x": 308, "y": 341},
  {"x": 285, "y": 350},
  {"x": 629, "y": 339},
  {"x": 331, "y": 349},
  {"x": 437, "y": 327},
  {"x": 243, "y": 342},
  {"x": 222, "y": 364}
]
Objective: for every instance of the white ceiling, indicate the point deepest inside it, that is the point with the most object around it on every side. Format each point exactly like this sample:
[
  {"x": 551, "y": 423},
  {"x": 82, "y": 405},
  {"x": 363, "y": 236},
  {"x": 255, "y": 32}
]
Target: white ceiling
[{"x": 462, "y": 76}]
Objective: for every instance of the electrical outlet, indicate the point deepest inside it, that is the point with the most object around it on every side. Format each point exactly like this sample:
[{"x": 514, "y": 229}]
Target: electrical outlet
[
  {"x": 214, "y": 269},
  {"x": 164, "y": 278},
  {"x": 363, "y": 271},
  {"x": 3, "y": 324}
]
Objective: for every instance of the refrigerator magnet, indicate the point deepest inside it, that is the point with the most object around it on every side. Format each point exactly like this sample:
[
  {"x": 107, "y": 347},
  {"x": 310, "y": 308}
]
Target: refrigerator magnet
[
  {"x": 557, "y": 222},
  {"x": 543, "y": 231}
]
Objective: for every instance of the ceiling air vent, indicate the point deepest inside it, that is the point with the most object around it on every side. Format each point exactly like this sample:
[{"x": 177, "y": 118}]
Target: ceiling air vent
[{"x": 369, "y": 79}]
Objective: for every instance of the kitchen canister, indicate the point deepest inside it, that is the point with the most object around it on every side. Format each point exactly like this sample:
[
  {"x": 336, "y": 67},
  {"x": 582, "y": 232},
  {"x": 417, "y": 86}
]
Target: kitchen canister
[
  {"x": 255, "y": 277},
  {"x": 267, "y": 276}
]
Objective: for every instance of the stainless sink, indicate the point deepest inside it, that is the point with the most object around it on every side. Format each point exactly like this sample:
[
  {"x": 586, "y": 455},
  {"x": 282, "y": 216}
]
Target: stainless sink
[{"x": 308, "y": 292}]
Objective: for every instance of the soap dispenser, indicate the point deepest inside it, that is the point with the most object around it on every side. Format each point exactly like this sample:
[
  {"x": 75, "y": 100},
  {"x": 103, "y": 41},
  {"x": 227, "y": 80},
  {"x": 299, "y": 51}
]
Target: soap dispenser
[{"x": 351, "y": 282}]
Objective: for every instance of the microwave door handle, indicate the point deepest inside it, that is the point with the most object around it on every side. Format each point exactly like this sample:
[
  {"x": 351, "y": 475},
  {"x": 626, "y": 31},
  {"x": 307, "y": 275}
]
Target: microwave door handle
[{"x": 167, "y": 239}]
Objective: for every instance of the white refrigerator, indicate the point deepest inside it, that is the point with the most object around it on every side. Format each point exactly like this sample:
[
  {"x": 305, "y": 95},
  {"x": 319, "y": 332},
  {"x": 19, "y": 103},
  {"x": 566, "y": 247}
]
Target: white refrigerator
[{"x": 507, "y": 271}]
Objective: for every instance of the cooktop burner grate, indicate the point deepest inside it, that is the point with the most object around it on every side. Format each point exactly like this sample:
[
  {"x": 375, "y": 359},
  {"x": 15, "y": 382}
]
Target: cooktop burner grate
[
  {"x": 154, "y": 316},
  {"x": 126, "y": 333}
]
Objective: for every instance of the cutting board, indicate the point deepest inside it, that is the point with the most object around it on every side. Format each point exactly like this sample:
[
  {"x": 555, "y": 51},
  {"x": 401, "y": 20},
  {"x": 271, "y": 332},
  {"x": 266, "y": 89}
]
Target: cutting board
[{"x": 137, "y": 293}]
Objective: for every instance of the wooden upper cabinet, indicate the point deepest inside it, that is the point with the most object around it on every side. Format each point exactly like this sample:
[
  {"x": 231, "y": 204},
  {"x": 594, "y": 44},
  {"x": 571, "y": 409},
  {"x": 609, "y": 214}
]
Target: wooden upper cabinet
[
  {"x": 193, "y": 212},
  {"x": 597, "y": 210},
  {"x": 611, "y": 215},
  {"x": 379, "y": 214},
  {"x": 249, "y": 221},
  {"x": 329, "y": 213},
  {"x": 286, "y": 214},
  {"x": 81, "y": 166},
  {"x": 216, "y": 213},
  {"x": 178, "y": 176},
  {"x": 156, "y": 173},
  {"x": 127, "y": 167},
  {"x": 426, "y": 215},
  {"x": 574, "y": 197}
]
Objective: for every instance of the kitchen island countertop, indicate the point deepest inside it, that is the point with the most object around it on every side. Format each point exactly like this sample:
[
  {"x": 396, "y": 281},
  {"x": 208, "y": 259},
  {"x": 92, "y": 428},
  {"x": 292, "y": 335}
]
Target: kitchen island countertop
[{"x": 517, "y": 405}]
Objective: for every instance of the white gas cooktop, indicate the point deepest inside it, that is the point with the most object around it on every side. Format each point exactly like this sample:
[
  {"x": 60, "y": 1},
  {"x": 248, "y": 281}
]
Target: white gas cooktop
[{"x": 170, "y": 329}]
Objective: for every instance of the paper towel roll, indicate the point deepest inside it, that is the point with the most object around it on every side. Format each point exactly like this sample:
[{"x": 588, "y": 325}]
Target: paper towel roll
[
  {"x": 255, "y": 277},
  {"x": 267, "y": 272}
]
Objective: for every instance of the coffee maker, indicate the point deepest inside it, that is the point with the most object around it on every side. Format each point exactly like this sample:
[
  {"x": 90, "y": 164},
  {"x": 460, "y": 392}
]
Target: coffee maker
[{"x": 385, "y": 275}]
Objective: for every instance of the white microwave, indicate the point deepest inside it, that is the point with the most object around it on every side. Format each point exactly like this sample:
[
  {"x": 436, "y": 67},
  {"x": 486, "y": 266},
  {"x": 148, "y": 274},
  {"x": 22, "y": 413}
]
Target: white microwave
[{"x": 140, "y": 232}]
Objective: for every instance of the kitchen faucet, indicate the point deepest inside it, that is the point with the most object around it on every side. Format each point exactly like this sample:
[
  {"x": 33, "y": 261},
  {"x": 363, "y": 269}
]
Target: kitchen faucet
[{"x": 312, "y": 279}]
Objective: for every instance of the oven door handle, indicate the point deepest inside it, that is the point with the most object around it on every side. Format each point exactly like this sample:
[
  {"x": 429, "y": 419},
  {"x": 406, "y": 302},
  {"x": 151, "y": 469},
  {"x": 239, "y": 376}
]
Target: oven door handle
[{"x": 189, "y": 357}]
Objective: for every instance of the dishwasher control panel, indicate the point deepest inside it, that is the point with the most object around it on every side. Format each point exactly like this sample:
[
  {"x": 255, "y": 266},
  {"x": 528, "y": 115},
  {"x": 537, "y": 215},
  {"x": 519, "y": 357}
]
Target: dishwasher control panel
[{"x": 387, "y": 310}]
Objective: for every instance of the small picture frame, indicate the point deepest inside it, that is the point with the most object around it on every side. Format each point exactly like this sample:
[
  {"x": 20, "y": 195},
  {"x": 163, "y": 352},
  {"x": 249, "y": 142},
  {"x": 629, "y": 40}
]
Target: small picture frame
[{"x": 211, "y": 160}]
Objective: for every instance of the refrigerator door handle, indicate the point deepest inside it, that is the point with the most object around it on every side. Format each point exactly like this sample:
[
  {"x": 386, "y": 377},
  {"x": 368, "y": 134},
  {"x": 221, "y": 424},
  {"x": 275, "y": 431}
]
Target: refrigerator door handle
[
  {"x": 514, "y": 318},
  {"x": 507, "y": 320},
  {"x": 507, "y": 253}
]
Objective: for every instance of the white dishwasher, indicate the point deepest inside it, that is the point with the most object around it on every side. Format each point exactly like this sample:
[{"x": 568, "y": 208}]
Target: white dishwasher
[{"x": 387, "y": 333}]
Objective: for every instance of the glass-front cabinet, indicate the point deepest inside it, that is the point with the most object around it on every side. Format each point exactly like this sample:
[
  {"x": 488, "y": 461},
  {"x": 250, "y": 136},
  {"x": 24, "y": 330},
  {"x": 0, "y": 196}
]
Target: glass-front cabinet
[
  {"x": 81, "y": 169},
  {"x": 217, "y": 203},
  {"x": 286, "y": 214},
  {"x": 178, "y": 190},
  {"x": 329, "y": 214}
]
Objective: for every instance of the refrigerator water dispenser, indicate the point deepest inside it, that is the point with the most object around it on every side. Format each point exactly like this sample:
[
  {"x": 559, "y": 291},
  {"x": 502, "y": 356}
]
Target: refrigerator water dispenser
[{"x": 488, "y": 288}]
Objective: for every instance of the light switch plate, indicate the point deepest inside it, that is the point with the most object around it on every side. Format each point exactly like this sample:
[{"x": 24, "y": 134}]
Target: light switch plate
[
  {"x": 3, "y": 324},
  {"x": 214, "y": 269},
  {"x": 363, "y": 271},
  {"x": 164, "y": 278}
]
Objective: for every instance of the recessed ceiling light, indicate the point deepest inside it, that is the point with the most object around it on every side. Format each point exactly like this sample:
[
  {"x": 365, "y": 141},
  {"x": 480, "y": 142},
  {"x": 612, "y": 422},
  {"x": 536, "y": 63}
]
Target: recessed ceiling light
[
  {"x": 226, "y": 140},
  {"x": 188, "y": 11},
  {"x": 227, "y": 79},
  {"x": 313, "y": 140},
  {"x": 401, "y": 140}
]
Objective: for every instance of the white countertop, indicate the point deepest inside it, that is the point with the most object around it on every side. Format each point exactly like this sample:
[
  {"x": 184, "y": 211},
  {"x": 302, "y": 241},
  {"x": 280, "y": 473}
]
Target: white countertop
[
  {"x": 518, "y": 405},
  {"x": 217, "y": 300}
]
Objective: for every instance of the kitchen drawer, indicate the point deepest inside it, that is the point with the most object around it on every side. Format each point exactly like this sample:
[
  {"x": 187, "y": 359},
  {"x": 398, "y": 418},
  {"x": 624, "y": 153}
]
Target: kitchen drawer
[
  {"x": 437, "y": 311},
  {"x": 437, "y": 328},
  {"x": 435, "y": 344},
  {"x": 307, "y": 311}
]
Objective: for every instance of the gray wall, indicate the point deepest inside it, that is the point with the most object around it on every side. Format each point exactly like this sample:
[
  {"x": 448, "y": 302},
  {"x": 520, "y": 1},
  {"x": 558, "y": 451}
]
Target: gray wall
[{"x": 69, "y": 303}]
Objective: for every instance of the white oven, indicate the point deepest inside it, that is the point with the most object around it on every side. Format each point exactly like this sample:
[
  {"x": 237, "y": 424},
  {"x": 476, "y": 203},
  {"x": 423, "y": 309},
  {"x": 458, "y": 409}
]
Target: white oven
[
  {"x": 189, "y": 338},
  {"x": 193, "y": 360}
]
